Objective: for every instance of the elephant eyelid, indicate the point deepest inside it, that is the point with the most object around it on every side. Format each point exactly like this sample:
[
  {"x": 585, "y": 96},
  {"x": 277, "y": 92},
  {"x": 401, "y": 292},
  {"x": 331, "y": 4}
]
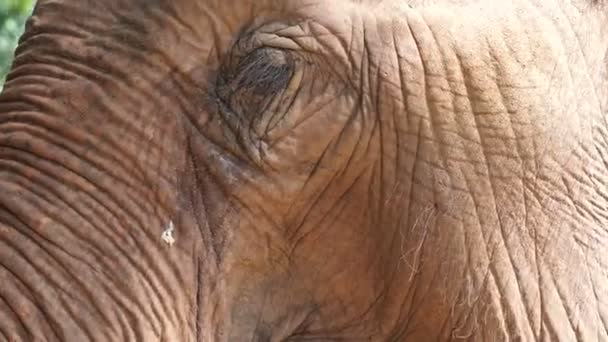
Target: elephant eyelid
[
  {"x": 250, "y": 83},
  {"x": 265, "y": 69}
]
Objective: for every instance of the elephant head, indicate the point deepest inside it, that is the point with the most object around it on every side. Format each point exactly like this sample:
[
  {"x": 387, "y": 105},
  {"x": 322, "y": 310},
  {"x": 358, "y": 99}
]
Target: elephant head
[{"x": 206, "y": 170}]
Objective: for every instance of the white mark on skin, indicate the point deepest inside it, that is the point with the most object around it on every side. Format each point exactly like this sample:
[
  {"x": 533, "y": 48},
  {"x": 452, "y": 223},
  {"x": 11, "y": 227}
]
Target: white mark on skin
[
  {"x": 227, "y": 165},
  {"x": 167, "y": 235}
]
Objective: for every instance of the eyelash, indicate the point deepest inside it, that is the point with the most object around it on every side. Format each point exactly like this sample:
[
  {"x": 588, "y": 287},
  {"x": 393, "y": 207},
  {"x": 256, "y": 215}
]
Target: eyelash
[{"x": 260, "y": 75}]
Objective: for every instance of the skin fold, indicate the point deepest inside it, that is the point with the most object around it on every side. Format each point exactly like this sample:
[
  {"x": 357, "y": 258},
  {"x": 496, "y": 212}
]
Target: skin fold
[{"x": 306, "y": 170}]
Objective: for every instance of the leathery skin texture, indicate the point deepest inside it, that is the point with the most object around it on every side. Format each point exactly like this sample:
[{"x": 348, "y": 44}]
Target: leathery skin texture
[{"x": 306, "y": 170}]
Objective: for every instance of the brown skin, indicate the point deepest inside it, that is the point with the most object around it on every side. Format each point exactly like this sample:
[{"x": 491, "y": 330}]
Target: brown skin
[{"x": 350, "y": 170}]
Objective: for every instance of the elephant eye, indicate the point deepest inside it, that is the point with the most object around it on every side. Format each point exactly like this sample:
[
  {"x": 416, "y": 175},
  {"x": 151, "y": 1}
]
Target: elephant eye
[{"x": 251, "y": 84}]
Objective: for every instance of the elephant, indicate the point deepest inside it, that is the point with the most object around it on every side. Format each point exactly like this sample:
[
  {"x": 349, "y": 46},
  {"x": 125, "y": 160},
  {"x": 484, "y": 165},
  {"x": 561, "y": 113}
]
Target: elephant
[{"x": 306, "y": 170}]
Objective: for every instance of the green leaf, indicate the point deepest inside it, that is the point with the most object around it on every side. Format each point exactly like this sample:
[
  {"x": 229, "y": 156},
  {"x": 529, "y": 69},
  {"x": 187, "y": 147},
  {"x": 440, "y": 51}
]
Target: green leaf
[{"x": 13, "y": 14}]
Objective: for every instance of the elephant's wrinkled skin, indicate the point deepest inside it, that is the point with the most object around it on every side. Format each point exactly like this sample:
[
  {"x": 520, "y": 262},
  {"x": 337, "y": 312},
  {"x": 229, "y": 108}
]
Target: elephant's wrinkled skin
[{"x": 333, "y": 170}]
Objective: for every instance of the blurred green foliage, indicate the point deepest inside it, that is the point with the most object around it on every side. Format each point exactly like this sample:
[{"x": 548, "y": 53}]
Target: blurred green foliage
[{"x": 13, "y": 14}]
